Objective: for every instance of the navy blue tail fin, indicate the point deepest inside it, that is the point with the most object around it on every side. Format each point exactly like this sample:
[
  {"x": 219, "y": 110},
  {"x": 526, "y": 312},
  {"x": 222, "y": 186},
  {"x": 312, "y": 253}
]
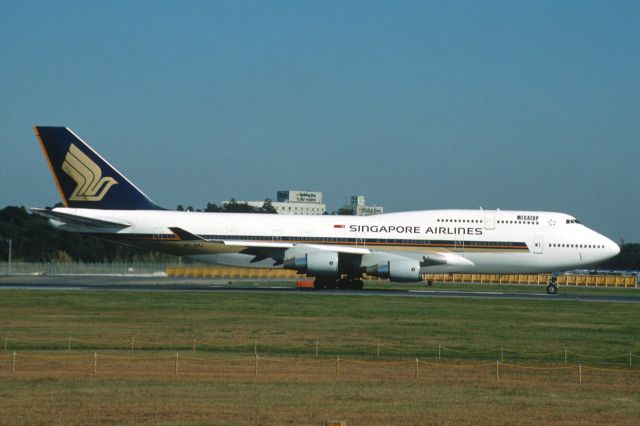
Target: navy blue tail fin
[{"x": 84, "y": 178}]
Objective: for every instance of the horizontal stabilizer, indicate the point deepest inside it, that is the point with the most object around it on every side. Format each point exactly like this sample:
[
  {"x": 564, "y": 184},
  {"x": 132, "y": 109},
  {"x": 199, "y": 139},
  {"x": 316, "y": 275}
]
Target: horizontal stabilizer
[{"x": 73, "y": 219}]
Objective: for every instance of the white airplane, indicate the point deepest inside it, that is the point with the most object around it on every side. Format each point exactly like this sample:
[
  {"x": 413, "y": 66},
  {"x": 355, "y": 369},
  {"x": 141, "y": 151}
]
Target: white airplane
[{"x": 335, "y": 250}]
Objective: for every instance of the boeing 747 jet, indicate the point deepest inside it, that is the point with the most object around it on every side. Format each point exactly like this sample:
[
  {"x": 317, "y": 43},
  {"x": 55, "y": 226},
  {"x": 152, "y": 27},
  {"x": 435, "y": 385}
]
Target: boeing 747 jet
[{"x": 336, "y": 250}]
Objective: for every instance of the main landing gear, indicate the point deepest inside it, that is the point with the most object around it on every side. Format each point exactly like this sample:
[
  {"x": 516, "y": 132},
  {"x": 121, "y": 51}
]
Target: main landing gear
[
  {"x": 552, "y": 287},
  {"x": 345, "y": 284}
]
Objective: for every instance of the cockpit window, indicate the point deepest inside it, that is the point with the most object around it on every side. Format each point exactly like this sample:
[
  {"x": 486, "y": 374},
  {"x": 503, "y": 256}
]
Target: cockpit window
[{"x": 573, "y": 221}]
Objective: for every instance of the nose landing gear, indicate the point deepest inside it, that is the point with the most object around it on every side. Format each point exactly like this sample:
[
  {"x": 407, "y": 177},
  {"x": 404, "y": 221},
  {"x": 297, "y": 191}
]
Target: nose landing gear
[{"x": 552, "y": 287}]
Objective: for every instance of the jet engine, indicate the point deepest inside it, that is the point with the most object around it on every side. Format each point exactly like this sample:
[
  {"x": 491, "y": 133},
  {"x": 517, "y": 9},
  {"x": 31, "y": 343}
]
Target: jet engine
[
  {"x": 399, "y": 270},
  {"x": 317, "y": 264}
]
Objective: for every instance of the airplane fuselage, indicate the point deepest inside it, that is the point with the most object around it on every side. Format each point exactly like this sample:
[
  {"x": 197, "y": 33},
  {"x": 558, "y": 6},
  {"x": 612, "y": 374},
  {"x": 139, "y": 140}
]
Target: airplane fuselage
[{"x": 492, "y": 241}]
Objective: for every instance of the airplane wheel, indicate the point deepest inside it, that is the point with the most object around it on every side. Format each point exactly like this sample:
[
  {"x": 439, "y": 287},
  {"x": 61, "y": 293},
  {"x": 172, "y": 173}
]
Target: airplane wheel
[
  {"x": 552, "y": 289},
  {"x": 319, "y": 285},
  {"x": 350, "y": 284}
]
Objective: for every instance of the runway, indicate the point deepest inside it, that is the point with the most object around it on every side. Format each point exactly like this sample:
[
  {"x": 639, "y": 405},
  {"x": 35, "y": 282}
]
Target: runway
[{"x": 165, "y": 284}]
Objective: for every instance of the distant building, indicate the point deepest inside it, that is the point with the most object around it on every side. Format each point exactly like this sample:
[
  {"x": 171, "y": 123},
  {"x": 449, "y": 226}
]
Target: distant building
[
  {"x": 359, "y": 207},
  {"x": 295, "y": 202},
  {"x": 299, "y": 202},
  {"x": 299, "y": 197}
]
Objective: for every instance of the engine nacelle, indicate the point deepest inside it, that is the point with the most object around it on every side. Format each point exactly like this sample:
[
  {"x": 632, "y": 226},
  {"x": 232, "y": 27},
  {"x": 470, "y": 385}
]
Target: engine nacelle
[
  {"x": 399, "y": 270},
  {"x": 317, "y": 264}
]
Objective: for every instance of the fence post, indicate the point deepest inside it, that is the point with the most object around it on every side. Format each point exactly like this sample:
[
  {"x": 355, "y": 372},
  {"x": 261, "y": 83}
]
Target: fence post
[
  {"x": 565, "y": 356},
  {"x": 194, "y": 343},
  {"x": 255, "y": 347},
  {"x": 630, "y": 359},
  {"x": 497, "y": 370},
  {"x": 337, "y": 365},
  {"x": 501, "y": 353},
  {"x": 176, "y": 369},
  {"x": 416, "y": 368},
  {"x": 439, "y": 347},
  {"x": 255, "y": 371},
  {"x": 69, "y": 345},
  {"x": 133, "y": 340},
  {"x": 13, "y": 363},
  {"x": 580, "y": 373},
  {"x": 316, "y": 349},
  {"x": 378, "y": 350},
  {"x": 95, "y": 361},
  {"x": 5, "y": 343}
]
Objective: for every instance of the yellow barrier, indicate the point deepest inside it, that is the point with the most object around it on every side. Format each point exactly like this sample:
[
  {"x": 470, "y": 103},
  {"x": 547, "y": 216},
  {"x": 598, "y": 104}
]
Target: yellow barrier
[
  {"x": 231, "y": 272},
  {"x": 568, "y": 280}
]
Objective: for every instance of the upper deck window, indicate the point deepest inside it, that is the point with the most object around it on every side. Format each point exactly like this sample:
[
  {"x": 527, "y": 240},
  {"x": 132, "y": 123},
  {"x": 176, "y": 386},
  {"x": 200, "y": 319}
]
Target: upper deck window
[{"x": 573, "y": 221}]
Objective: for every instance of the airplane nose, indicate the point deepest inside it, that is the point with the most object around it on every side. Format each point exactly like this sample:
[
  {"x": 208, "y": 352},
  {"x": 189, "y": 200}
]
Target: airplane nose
[
  {"x": 612, "y": 249},
  {"x": 615, "y": 249}
]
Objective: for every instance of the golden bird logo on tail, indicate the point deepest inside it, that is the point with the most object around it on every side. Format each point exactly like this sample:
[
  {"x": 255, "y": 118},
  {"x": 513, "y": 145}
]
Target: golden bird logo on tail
[{"x": 91, "y": 186}]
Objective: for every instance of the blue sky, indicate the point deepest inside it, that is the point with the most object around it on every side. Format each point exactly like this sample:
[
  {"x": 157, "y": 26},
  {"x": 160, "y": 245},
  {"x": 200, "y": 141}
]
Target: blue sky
[{"x": 417, "y": 105}]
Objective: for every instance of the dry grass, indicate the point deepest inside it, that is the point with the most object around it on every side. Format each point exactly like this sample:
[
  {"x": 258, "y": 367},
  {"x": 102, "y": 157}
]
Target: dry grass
[
  {"x": 130, "y": 389},
  {"x": 217, "y": 383}
]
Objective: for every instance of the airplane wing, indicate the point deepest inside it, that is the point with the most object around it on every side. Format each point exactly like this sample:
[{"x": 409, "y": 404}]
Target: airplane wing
[
  {"x": 76, "y": 220},
  {"x": 185, "y": 235},
  {"x": 359, "y": 257},
  {"x": 311, "y": 247}
]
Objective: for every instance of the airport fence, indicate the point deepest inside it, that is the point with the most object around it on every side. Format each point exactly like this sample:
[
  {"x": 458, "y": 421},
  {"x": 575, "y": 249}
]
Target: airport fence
[
  {"x": 563, "y": 356},
  {"x": 109, "y": 363},
  {"x": 82, "y": 268}
]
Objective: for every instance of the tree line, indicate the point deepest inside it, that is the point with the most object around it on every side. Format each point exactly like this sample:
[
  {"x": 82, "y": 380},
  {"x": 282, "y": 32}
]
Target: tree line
[
  {"x": 233, "y": 207},
  {"x": 35, "y": 240}
]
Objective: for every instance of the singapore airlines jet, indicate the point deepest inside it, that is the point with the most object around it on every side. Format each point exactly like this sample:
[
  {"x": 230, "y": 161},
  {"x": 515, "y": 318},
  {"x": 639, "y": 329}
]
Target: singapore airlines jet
[{"x": 335, "y": 250}]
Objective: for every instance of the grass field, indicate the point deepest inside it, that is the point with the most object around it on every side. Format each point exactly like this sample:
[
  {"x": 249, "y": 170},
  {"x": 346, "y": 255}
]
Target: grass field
[{"x": 291, "y": 389}]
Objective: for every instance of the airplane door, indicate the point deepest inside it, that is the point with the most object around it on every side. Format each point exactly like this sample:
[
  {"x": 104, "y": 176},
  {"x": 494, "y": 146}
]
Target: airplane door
[
  {"x": 538, "y": 244},
  {"x": 489, "y": 220}
]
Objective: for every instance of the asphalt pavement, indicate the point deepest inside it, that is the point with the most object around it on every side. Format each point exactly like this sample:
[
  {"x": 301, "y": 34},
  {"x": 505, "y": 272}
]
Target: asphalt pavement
[{"x": 171, "y": 284}]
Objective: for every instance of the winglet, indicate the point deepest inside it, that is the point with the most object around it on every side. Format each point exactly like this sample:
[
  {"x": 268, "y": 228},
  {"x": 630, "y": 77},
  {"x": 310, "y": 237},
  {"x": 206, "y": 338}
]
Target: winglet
[{"x": 84, "y": 178}]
